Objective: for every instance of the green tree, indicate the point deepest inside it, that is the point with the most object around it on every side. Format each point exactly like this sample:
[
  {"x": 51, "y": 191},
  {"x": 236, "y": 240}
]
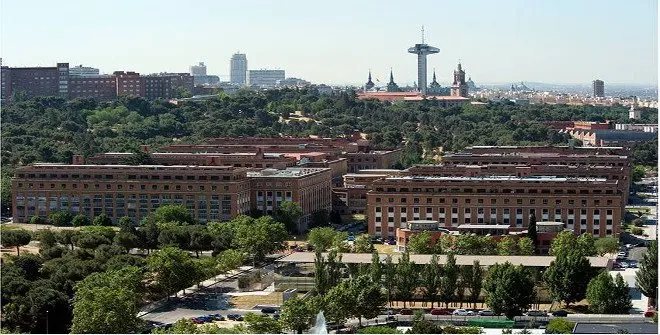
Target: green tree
[
  {"x": 431, "y": 279},
  {"x": 560, "y": 326},
  {"x": 376, "y": 268},
  {"x": 15, "y": 238},
  {"x": 449, "y": 281},
  {"x": 363, "y": 244},
  {"x": 173, "y": 269},
  {"x": 298, "y": 315},
  {"x": 170, "y": 213},
  {"x": 586, "y": 243},
  {"x": 148, "y": 236},
  {"x": 30, "y": 313},
  {"x": 390, "y": 277},
  {"x": 647, "y": 277},
  {"x": 91, "y": 240},
  {"x": 420, "y": 243},
  {"x": 126, "y": 225},
  {"x": 324, "y": 237},
  {"x": 320, "y": 274},
  {"x": 67, "y": 237},
  {"x": 606, "y": 245},
  {"x": 406, "y": 278},
  {"x": 102, "y": 221},
  {"x": 47, "y": 238},
  {"x": 29, "y": 264},
  {"x": 338, "y": 303},
  {"x": 108, "y": 302},
  {"x": 507, "y": 246},
  {"x": 60, "y": 219},
  {"x": 288, "y": 212},
  {"x": 475, "y": 280},
  {"x": 567, "y": 241},
  {"x": 368, "y": 298},
  {"x": 531, "y": 231},
  {"x": 200, "y": 240},
  {"x": 638, "y": 173},
  {"x": 525, "y": 246},
  {"x": 183, "y": 326},
  {"x": 608, "y": 296},
  {"x": 127, "y": 241},
  {"x": 259, "y": 324},
  {"x": 80, "y": 220},
  {"x": 509, "y": 289},
  {"x": 320, "y": 218},
  {"x": 567, "y": 277},
  {"x": 261, "y": 237}
]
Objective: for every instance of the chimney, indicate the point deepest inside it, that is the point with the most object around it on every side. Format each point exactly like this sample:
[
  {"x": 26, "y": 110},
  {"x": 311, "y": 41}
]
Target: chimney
[{"x": 78, "y": 160}]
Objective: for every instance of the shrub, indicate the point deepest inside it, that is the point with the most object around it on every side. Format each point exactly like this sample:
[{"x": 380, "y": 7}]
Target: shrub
[
  {"x": 559, "y": 326},
  {"x": 636, "y": 231},
  {"x": 378, "y": 330}
]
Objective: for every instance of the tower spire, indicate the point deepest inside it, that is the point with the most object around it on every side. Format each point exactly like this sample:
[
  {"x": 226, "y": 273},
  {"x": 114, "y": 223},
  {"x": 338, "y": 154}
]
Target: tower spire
[
  {"x": 434, "y": 75},
  {"x": 422, "y": 34}
]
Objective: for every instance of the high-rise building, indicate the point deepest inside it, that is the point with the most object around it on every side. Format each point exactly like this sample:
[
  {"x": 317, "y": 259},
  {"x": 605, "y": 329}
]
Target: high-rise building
[
  {"x": 35, "y": 81},
  {"x": 599, "y": 88},
  {"x": 198, "y": 70},
  {"x": 459, "y": 87},
  {"x": 83, "y": 71},
  {"x": 265, "y": 78},
  {"x": 238, "y": 69}
]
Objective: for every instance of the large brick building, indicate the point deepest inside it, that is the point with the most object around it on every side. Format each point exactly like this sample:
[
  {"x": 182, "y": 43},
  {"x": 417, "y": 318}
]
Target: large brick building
[
  {"x": 586, "y": 205},
  {"x": 57, "y": 81},
  {"x": 210, "y": 193}
]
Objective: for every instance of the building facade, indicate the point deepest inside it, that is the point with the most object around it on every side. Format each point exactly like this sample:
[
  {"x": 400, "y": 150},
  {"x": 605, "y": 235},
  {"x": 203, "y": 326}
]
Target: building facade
[
  {"x": 265, "y": 78},
  {"x": 238, "y": 69},
  {"x": 35, "y": 81},
  {"x": 459, "y": 87},
  {"x": 198, "y": 70},
  {"x": 598, "y": 88},
  {"x": 83, "y": 71},
  {"x": 585, "y": 205},
  {"x": 100, "y": 87}
]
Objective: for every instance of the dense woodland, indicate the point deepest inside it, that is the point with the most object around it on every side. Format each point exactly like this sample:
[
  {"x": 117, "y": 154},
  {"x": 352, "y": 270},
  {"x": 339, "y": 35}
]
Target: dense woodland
[{"x": 52, "y": 129}]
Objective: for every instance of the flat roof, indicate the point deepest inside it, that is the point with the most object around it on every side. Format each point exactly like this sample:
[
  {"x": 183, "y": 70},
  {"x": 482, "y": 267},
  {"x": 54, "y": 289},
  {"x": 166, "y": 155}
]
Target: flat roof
[
  {"x": 287, "y": 173},
  {"x": 484, "y": 226},
  {"x": 353, "y": 258},
  {"x": 110, "y": 166}
]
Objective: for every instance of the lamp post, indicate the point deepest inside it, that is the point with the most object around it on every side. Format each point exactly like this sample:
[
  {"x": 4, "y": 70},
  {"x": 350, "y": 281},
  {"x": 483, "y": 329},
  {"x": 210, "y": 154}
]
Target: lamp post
[{"x": 47, "y": 322}]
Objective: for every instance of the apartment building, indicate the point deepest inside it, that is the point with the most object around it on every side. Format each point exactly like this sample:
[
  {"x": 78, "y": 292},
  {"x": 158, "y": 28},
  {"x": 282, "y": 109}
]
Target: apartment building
[
  {"x": 35, "y": 81},
  {"x": 309, "y": 187},
  {"x": 210, "y": 193},
  {"x": 585, "y": 205},
  {"x": 376, "y": 159},
  {"x": 100, "y": 87},
  {"x": 351, "y": 196},
  {"x": 265, "y": 78},
  {"x": 249, "y": 160},
  {"x": 484, "y": 149}
]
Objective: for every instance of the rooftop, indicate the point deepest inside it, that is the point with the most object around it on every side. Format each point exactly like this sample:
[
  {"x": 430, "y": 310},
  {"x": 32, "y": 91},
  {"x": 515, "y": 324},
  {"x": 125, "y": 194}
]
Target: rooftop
[
  {"x": 484, "y": 226},
  {"x": 353, "y": 258},
  {"x": 615, "y": 328},
  {"x": 287, "y": 173},
  {"x": 500, "y": 178}
]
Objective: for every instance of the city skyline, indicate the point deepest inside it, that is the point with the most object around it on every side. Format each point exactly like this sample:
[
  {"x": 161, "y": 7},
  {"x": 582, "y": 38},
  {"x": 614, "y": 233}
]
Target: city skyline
[{"x": 339, "y": 42}]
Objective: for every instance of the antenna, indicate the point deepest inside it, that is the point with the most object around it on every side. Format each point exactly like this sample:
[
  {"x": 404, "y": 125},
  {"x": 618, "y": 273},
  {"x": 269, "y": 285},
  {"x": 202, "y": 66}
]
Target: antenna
[{"x": 422, "y": 34}]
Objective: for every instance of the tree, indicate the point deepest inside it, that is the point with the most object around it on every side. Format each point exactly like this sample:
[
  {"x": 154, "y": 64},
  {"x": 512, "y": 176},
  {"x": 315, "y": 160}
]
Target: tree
[
  {"x": 298, "y": 315},
  {"x": 647, "y": 276},
  {"x": 368, "y": 298},
  {"x": 560, "y": 326},
  {"x": 587, "y": 245},
  {"x": 567, "y": 277},
  {"x": 183, "y": 326},
  {"x": 509, "y": 289},
  {"x": 258, "y": 324},
  {"x": 363, "y": 244},
  {"x": 126, "y": 225},
  {"x": 531, "y": 231},
  {"x": 90, "y": 240},
  {"x": 80, "y": 220},
  {"x": 173, "y": 269},
  {"x": 229, "y": 260},
  {"x": 406, "y": 278},
  {"x": 431, "y": 279},
  {"x": 338, "y": 303},
  {"x": 200, "y": 240},
  {"x": 506, "y": 246},
  {"x": 525, "y": 246},
  {"x": 320, "y": 218},
  {"x": 608, "y": 296},
  {"x": 448, "y": 283},
  {"x": 148, "y": 236},
  {"x": 102, "y": 221},
  {"x": 447, "y": 242},
  {"x": 475, "y": 280},
  {"x": 47, "y": 238},
  {"x": 108, "y": 302},
  {"x": 41, "y": 310},
  {"x": 289, "y": 212},
  {"x": 606, "y": 245},
  {"x": 420, "y": 243},
  {"x": 29, "y": 264},
  {"x": 60, "y": 219},
  {"x": 389, "y": 272},
  {"x": 320, "y": 274},
  {"x": 15, "y": 238},
  {"x": 323, "y": 238},
  {"x": 67, "y": 237},
  {"x": 638, "y": 173},
  {"x": 260, "y": 237},
  {"x": 170, "y": 213},
  {"x": 126, "y": 240},
  {"x": 375, "y": 268},
  {"x": 173, "y": 236}
]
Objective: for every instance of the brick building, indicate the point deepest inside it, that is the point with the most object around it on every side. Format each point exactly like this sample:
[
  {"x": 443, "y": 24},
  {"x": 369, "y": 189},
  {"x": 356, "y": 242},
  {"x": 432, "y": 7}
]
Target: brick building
[
  {"x": 210, "y": 193},
  {"x": 35, "y": 81},
  {"x": 586, "y": 205},
  {"x": 100, "y": 87},
  {"x": 309, "y": 187}
]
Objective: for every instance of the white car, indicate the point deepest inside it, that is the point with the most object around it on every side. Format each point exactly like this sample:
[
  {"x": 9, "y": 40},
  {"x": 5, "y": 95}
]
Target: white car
[{"x": 462, "y": 312}]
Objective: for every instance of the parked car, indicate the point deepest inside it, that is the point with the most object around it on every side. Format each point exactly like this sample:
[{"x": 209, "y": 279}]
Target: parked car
[
  {"x": 632, "y": 264},
  {"x": 268, "y": 310},
  {"x": 649, "y": 313},
  {"x": 560, "y": 313},
  {"x": 623, "y": 265},
  {"x": 390, "y": 318},
  {"x": 462, "y": 312},
  {"x": 218, "y": 317},
  {"x": 487, "y": 312},
  {"x": 622, "y": 254},
  {"x": 276, "y": 316},
  {"x": 196, "y": 321},
  {"x": 406, "y": 311},
  {"x": 536, "y": 312},
  {"x": 438, "y": 311}
]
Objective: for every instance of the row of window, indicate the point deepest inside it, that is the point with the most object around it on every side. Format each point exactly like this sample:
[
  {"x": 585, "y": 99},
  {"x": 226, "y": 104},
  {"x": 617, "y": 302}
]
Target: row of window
[
  {"x": 119, "y": 187},
  {"x": 119, "y": 177},
  {"x": 455, "y": 160},
  {"x": 493, "y": 211},
  {"x": 495, "y": 201},
  {"x": 494, "y": 190}
]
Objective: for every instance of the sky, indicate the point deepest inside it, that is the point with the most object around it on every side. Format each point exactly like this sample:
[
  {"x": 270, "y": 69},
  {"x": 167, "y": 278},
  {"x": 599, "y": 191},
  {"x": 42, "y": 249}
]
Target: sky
[{"x": 339, "y": 41}]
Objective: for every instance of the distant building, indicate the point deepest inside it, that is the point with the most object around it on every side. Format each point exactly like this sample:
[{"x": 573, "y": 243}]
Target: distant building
[
  {"x": 599, "y": 88},
  {"x": 83, "y": 71},
  {"x": 198, "y": 70},
  {"x": 293, "y": 82},
  {"x": 369, "y": 84},
  {"x": 634, "y": 113},
  {"x": 238, "y": 69},
  {"x": 206, "y": 80},
  {"x": 265, "y": 78},
  {"x": 392, "y": 86},
  {"x": 459, "y": 87},
  {"x": 434, "y": 87},
  {"x": 35, "y": 81}
]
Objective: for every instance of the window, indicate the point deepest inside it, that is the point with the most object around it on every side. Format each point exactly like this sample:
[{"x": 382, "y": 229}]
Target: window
[
  {"x": 545, "y": 201},
  {"x": 532, "y": 201},
  {"x": 493, "y": 201},
  {"x": 571, "y": 202},
  {"x": 519, "y": 201}
]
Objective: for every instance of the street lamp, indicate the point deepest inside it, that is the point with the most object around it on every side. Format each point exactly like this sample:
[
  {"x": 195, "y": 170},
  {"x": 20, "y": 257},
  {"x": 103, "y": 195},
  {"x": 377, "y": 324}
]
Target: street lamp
[{"x": 46, "y": 321}]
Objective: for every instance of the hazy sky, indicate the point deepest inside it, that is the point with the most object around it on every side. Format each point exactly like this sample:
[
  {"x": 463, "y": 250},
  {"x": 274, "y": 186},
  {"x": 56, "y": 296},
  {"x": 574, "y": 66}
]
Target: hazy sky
[{"x": 338, "y": 41}]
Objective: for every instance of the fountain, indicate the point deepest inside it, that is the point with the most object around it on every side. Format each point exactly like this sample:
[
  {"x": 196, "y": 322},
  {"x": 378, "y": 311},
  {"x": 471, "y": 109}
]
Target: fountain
[{"x": 319, "y": 326}]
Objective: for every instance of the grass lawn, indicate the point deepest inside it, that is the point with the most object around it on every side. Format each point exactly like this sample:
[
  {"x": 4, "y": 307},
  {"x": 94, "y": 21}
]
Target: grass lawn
[
  {"x": 249, "y": 301},
  {"x": 385, "y": 248}
]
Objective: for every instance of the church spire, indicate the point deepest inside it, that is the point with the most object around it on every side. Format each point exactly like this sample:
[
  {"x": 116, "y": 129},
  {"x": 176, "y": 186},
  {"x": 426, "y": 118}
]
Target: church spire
[
  {"x": 369, "y": 84},
  {"x": 391, "y": 76},
  {"x": 392, "y": 86}
]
